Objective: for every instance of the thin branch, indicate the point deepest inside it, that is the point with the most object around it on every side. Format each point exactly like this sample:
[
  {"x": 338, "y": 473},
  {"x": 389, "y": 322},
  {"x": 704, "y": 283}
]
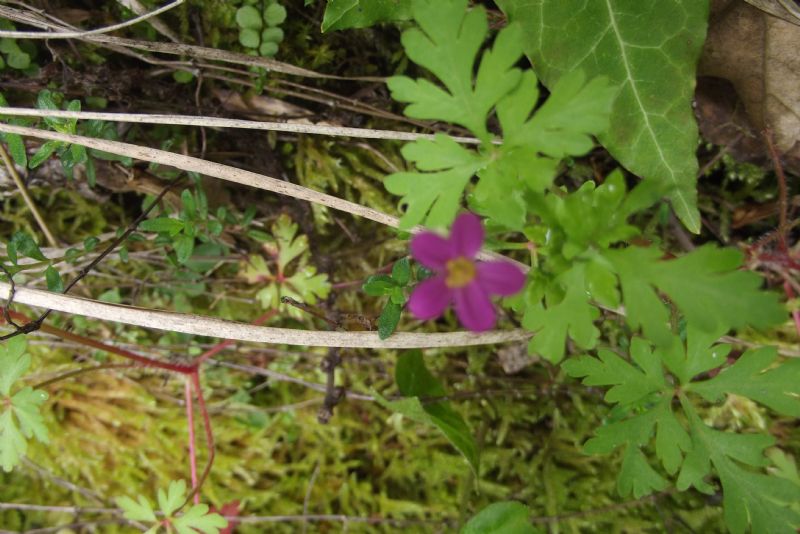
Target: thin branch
[
  {"x": 602, "y": 510},
  {"x": 217, "y": 122},
  {"x": 275, "y": 375},
  {"x": 59, "y": 509},
  {"x": 181, "y": 49},
  {"x": 37, "y": 323},
  {"x": 219, "y": 328},
  {"x": 87, "y": 33},
  {"x": 226, "y": 172},
  {"x": 81, "y": 371},
  {"x": 81, "y": 526},
  {"x": 12, "y": 171},
  {"x": 43, "y": 472}
]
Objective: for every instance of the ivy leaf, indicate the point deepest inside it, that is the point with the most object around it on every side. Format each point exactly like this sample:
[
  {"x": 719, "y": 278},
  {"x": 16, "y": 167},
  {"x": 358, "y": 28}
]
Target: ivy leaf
[
  {"x": 508, "y": 517},
  {"x": 415, "y": 381},
  {"x": 555, "y": 318},
  {"x": 752, "y": 376},
  {"x": 749, "y": 498},
  {"x": 20, "y": 417},
  {"x": 447, "y": 43},
  {"x": 706, "y": 286},
  {"x": 433, "y": 197},
  {"x": 649, "y": 49},
  {"x": 344, "y": 14}
]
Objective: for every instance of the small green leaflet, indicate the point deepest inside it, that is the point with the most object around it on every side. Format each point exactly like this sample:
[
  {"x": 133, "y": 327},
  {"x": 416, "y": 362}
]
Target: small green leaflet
[
  {"x": 508, "y": 517},
  {"x": 415, "y": 382},
  {"x": 290, "y": 251},
  {"x": 16, "y": 145},
  {"x": 447, "y": 43},
  {"x": 194, "y": 519},
  {"x": 394, "y": 287},
  {"x": 53, "y": 279},
  {"x": 749, "y": 497},
  {"x": 571, "y": 314},
  {"x": 706, "y": 285},
  {"x": 167, "y": 225},
  {"x": 344, "y": 14},
  {"x": 753, "y": 376},
  {"x": 20, "y": 418},
  {"x": 434, "y": 196},
  {"x": 684, "y": 444},
  {"x": 22, "y": 243}
]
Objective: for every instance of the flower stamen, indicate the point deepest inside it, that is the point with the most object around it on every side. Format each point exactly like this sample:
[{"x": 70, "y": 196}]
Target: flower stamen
[{"x": 460, "y": 272}]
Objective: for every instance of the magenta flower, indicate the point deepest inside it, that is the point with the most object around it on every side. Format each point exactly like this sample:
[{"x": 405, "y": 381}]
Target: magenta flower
[{"x": 459, "y": 278}]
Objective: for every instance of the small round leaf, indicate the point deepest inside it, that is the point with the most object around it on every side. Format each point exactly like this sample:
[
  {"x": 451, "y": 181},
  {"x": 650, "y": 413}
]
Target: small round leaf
[
  {"x": 272, "y": 35},
  {"x": 249, "y": 17},
  {"x": 268, "y": 49},
  {"x": 275, "y": 14},
  {"x": 249, "y": 38},
  {"x": 19, "y": 60}
]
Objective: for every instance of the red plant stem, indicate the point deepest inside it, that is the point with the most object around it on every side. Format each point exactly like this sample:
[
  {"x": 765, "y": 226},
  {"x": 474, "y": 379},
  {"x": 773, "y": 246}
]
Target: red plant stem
[
  {"x": 219, "y": 347},
  {"x": 190, "y": 370},
  {"x": 192, "y": 451},
  {"x": 201, "y": 404},
  {"x": 143, "y": 360},
  {"x": 783, "y": 194},
  {"x": 787, "y": 288}
]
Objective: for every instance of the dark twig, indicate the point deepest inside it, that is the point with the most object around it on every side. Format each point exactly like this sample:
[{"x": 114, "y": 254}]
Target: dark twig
[
  {"x": 311, "y": 311},
  {"x": 37, "y": 323},
  {"x": 333, "y": 394}
]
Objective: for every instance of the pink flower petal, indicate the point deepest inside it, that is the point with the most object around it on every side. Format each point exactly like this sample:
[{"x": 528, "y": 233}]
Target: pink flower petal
[
  {"x": 431, "y": 250},
  {"x": 500, "y": 277},
  {"x": 430, "y": 298},
  {"x": 474, "y": 309},
  {"x": 467, "y": 235}
]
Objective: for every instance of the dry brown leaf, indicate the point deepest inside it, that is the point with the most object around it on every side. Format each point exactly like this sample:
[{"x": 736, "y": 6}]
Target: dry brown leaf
[
  {"x": 758, "y": 54},
  {"x": 258, "y": 105}
]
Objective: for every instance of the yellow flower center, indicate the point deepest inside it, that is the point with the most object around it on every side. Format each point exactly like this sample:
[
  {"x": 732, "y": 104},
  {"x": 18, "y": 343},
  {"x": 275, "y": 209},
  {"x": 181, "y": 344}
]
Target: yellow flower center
[{"x": 460, "y": 272}]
